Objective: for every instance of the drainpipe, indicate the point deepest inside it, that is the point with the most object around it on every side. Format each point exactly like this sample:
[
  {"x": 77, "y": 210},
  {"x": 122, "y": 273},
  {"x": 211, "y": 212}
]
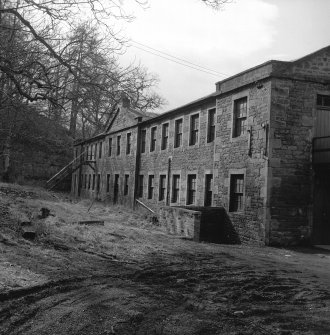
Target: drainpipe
[
  {"x": 80, "y": 172},
  {"x": 169, "y": 165}
]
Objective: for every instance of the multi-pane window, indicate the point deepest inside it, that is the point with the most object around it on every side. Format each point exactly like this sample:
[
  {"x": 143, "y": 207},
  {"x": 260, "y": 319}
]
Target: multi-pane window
[
  {"x": 110, "y": 147},
  {"x": 126, "y": 181},
  {"x": 323, "y": 101},
  {"x": 211, "y": 126},
  {"x": 108, "y": 183},
  {"x": 178, "y": 133},
  {"x": 118, "y": 144},
  {"x": 194, "y": 128},
  {"x": 208, "y": 190},
  {"x": 143, "y": 140},
  {"x": 140, "y": 186},
  {"x": 153, "y": 134},
  {"x": 175, "y": 187},
  {"x": 93, "y": 183},
  {"x": 151, "y": 186},
  {"x": 240, "y": 116},
  {"x": 191, "y": 189},
  {"x": 162, "y": 187},
  {"x": 236, "y": 193},
  {"x": 100, "y": 149},
  {"x": 128, "y": 143},
  {"x": 85, "y": 181},
  {"x": 165, "y": 136},
  {"x": 89, "y": 182}
]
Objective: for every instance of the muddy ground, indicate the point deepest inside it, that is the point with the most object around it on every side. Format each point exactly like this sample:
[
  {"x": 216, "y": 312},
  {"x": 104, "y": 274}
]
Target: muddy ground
[{"x": 130, "y": 277}]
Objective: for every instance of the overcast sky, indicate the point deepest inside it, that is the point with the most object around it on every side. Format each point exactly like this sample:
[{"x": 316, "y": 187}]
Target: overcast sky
[{"x": 244, "y": 34}]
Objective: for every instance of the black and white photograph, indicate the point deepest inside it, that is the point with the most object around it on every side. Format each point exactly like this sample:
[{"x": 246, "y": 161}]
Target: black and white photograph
[{"x": 164, "y": 167}]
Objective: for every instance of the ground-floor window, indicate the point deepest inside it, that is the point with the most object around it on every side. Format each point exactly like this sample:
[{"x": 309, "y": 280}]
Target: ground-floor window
[
  {"x": 208, "y": 190},
  {"x": 89, "y": 182},
  {"x": 191, "y": 189},
  {"x": 236, "y": 201},
  {"x": 151, "y": 186},
  {"x": 108, "y": 183},
  {"x": 126, "y": 184},
  {"x": 162, "y": 187},
  {"x": 175, "y": 187},
  {"x": 93, "y": 182}
]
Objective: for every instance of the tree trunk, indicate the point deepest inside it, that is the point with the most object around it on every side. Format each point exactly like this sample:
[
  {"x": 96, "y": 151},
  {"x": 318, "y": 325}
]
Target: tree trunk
[{"x": 6, "y": 156}]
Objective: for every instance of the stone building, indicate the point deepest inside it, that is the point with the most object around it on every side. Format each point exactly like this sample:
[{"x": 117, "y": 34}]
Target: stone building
[{"x": 259, "y": 146}]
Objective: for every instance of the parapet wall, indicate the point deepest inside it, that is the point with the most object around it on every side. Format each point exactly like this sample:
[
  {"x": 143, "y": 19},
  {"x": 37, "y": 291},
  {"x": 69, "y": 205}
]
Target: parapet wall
[
  {"x": 181, "y": 222},
  {"x": 210, "y": 224}
]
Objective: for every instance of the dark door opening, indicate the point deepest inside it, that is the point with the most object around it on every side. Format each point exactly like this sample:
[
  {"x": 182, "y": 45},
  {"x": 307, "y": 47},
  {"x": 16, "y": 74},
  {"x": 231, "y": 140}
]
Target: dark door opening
[
  {"x": 321, "y": 224},
  {"x": 116, "y": 189}
]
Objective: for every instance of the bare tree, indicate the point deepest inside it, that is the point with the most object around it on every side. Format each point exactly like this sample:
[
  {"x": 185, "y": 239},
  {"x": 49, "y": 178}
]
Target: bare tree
[
  {"x": 216, "y": 4},
  {"x": 66, "y": 63}
]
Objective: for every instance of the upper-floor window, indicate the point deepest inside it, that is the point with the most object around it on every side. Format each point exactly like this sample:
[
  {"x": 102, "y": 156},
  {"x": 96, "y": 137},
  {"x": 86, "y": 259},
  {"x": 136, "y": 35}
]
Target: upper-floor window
[
  {"x": 211, "y": 125},
  {"x": 110, "y": 147},
  {"x": 194, "y": 129},
  {"x": 151, "y": 186},
  {"x": 323, "y": 101},
  {"x": 178, "y": 133},
  {"x": 165, "y": 136},
  {"x": 100, "y": 149},
  {"x": 240, "y": 116},
  {"x": 128, "y": 143},
  {"x": 236, "y": 193},
  {"x": 153, "y": 139},
  {"x": 143, "y": 140},
  {"x": 191, "y": 189},
  {"x": 118, "y": 144}
]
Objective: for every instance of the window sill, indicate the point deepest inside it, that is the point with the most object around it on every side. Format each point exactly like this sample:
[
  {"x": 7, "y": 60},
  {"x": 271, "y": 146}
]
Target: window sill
[{"x": 239, "y": 138}]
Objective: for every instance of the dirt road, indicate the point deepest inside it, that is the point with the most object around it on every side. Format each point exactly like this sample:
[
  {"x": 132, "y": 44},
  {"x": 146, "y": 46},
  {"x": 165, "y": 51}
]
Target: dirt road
[{"x": 129, "y": 277}]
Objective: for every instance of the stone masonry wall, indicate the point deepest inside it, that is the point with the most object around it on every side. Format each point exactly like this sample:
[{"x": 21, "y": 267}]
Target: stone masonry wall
[
  {"x": 180, "y": 222},
  {"x": 290, "y": 164},
  {"x": 293, "y": 119},
  {"x": 196, "y": 159},
  {"x": 247, "y": 156},
  {"x": 123, "y": 164}
]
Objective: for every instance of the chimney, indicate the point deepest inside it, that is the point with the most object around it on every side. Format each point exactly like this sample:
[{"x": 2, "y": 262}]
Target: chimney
[{"x": 125, "y": 101}]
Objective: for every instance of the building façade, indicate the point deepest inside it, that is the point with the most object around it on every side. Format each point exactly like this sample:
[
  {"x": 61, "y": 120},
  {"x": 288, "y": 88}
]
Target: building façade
[{"x": 259, "y": 146}]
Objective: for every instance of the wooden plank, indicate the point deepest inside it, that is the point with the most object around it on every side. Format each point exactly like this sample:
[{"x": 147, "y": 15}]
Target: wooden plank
[{"x": 92, "y": 222}]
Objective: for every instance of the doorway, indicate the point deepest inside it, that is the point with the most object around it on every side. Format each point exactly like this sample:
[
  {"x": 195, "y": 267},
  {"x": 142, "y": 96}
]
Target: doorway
[
  {"x": 321, "y": 212},
  {"x": 116, "y": 189}
]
